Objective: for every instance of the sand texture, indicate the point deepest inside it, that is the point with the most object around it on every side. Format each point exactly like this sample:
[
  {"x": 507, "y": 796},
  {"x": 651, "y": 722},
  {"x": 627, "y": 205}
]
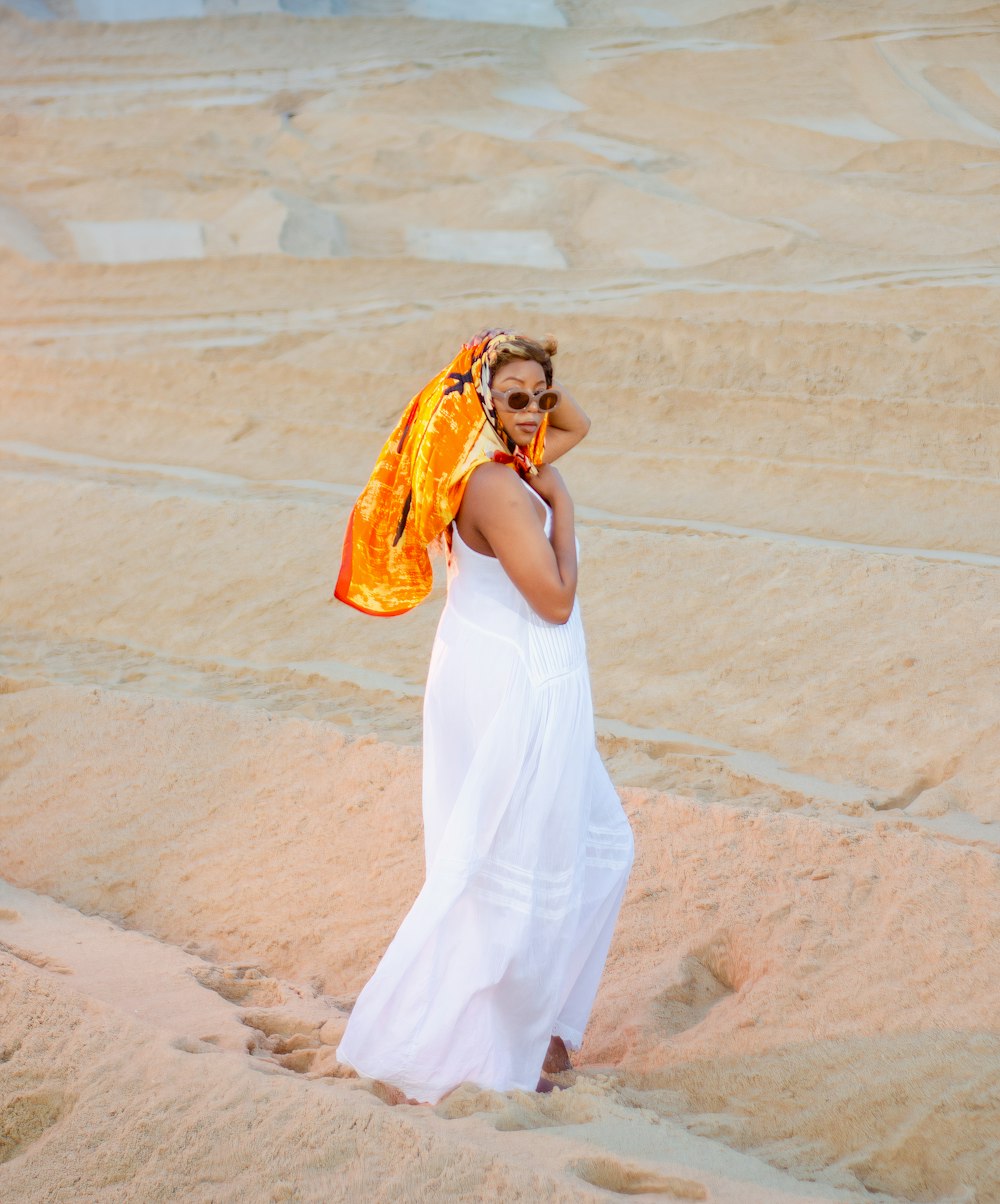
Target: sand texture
[{"x": 232, "y": 246}]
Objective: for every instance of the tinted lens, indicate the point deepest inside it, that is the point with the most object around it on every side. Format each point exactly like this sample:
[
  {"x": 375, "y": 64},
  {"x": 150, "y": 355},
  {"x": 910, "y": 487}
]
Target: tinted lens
[
  {"x": 518, "y": 399},
  {"x": 548, "y": 400}
]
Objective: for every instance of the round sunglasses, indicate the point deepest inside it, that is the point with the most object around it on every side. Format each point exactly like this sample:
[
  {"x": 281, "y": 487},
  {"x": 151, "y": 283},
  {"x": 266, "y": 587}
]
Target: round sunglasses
[{"x": 520, "y": 399}]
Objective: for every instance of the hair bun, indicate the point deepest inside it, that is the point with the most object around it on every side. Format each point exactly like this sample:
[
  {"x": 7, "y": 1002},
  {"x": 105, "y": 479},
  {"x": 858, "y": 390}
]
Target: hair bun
[{"x": 550, "y": 344}]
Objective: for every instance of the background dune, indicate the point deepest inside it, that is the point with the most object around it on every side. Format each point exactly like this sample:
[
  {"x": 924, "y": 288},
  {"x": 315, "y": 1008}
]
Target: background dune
[{"x": 232, "y": 246}]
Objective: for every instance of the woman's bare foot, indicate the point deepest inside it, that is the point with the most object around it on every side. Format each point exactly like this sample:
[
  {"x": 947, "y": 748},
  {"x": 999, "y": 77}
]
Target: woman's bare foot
[
  {"x": 547, "y": 1085},
  {"x": 557, "y": 1058}
]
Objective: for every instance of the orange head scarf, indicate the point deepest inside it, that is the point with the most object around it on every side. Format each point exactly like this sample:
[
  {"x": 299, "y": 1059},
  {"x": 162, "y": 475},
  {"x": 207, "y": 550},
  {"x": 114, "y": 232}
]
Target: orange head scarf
[{"x": 416, "y": 487}]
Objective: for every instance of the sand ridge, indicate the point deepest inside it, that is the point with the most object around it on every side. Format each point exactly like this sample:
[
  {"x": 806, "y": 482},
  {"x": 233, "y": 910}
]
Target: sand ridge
[{"x": 232, "y": 246}]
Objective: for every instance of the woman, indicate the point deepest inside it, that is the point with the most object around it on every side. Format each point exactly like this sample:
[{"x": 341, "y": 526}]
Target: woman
[{"x": 494, "y": 970}]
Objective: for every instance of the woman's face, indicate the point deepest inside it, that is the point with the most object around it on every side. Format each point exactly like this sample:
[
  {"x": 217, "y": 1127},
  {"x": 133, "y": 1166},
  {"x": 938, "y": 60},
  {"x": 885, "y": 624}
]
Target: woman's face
[{"x": 521, "y": 425}]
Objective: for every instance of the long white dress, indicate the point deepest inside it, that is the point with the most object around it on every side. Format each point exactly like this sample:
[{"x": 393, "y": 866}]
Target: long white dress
[{"x": 527, "y": 853}]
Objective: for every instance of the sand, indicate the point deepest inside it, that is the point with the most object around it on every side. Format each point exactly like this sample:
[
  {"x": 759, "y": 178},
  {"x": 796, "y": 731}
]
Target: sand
[{"x": 232, "y": 246}]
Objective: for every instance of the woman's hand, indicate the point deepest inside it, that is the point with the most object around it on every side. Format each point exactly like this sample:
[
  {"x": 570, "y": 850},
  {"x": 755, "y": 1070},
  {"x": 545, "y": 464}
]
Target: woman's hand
[
  {"x": 548, "y": 483},
  {"x": 567, "y": 425}
]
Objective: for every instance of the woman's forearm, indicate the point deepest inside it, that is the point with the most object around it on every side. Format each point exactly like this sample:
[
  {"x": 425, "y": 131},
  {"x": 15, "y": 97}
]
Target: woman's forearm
[
  {"x": 567, "y": 425},
  {"x": 568, "y": 415}
]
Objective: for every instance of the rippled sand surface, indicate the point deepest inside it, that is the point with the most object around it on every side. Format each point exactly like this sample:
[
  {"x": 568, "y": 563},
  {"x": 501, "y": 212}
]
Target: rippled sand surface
[{"x": 232, "y": 246}]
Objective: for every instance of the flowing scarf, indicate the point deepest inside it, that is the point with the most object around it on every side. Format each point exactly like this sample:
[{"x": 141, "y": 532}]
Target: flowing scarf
[{"x": 449, "y": 428}]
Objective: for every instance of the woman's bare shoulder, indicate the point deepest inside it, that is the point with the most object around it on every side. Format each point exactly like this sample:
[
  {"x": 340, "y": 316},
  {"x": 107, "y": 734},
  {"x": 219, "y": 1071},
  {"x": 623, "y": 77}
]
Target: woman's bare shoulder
[
  {"x": 492, "y": 470},
  {"x": 493, "y": 492},
  {"x": 492, "y": 480}
]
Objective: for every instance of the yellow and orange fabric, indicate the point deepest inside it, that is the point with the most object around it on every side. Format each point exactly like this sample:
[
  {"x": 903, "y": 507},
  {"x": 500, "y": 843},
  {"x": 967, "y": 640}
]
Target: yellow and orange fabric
[{"x": 449, "y": 428}]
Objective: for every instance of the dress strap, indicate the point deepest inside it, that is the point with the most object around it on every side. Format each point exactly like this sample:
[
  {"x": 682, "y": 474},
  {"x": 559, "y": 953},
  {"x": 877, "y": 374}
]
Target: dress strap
[
  {"x": 548, "y": 508},
  {"x": 535, "y": 494}
]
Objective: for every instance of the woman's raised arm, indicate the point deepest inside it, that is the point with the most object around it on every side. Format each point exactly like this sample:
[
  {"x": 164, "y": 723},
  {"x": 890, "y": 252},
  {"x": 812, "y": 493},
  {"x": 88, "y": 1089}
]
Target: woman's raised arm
[{"x": 568, "y": 424}]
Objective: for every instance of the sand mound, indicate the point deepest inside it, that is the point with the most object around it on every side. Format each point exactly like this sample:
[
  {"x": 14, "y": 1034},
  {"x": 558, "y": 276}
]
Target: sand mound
[{"x": 233, "y": 244}]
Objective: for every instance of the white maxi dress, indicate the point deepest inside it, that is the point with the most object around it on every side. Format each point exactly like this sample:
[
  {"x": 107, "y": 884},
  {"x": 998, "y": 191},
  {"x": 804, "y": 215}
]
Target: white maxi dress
[{"x": 527, "y": 851}]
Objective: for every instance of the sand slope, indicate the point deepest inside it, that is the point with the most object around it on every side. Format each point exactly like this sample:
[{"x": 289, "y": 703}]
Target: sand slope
[
  {"x": 739, "y": 1014},
  {"x": 232, "y": 246}
]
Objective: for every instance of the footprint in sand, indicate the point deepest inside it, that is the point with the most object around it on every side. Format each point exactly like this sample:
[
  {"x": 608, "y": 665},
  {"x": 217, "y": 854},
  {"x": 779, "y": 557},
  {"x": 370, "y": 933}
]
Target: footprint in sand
[
  {"x": 240, "y": 983},
  {"x": 195, "y": 1045},
  {"x": 625, "y": 1180},
  {"x": 699, "y": 982},
  {"x": 300, "y": 1043},
  {"x": 385, "y": 1092},
  {"x": 283, "y": 1036},
  {"x": 27, "y": 1117},
  {"x": 516, "y": 1111},
  {"x": 41, "y": 960}
]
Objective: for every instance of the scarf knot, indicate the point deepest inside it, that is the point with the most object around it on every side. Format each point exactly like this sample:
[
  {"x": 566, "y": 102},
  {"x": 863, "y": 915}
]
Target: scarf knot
[{"x": 520, "y": 459}]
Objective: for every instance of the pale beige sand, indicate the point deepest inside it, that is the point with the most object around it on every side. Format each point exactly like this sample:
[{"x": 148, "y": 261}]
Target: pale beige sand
[
  {"x": 734, "y": 1001},
  {"x": 231, "y": 249}
]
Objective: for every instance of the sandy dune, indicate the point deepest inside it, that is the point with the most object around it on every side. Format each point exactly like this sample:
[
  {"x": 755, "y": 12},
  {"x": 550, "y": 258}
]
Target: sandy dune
[{"x": 232, "y": 246}]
